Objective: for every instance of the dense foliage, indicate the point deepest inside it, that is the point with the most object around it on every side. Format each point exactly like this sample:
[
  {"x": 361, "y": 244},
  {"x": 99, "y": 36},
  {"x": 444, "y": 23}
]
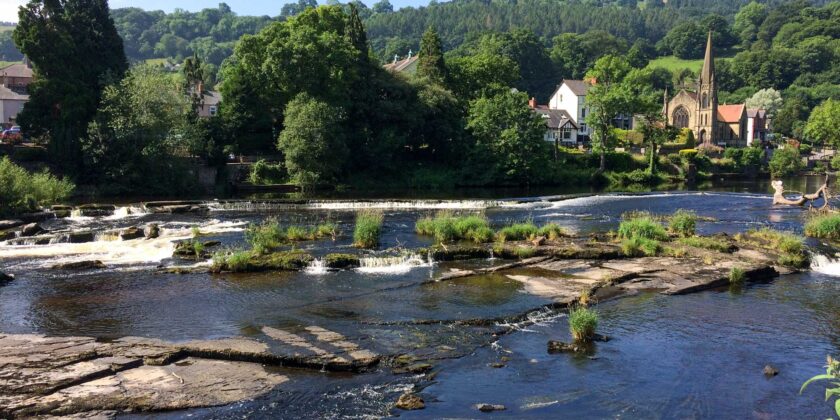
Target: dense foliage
[{"x": 21, "y": 191}]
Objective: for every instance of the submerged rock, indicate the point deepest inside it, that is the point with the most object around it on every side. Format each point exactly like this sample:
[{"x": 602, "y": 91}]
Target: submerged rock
[
  {"x": 486, "y": 408},
  {"x": 561, "y": 347},
  {"x": 194, "y": 249},
  {"x": 410, "y": 401},
  {"x": 96, "y": 210},
  {"x": 5, "y": 278},
  {"x": 770, "y": 371},
  {"x": 277, "y": 261},
  {"x": 80, "y": 265},
  {"x": 31, "y": 229}
]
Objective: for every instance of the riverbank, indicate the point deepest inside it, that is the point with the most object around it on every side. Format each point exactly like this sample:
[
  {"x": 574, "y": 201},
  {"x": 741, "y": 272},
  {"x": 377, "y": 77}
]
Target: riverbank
[{"x": 421, "y": 320}]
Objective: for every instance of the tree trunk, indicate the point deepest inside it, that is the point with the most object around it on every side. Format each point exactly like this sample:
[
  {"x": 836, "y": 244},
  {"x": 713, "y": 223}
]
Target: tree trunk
[{"x": 652, "y": 165}]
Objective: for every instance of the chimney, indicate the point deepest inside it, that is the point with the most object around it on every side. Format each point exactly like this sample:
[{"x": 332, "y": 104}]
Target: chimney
[{"x": 532, "y": 103}]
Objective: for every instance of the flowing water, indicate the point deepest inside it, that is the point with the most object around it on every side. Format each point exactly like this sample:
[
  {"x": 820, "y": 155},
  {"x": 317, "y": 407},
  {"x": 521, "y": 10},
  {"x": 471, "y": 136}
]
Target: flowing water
[{"x": 693, "y": 356}]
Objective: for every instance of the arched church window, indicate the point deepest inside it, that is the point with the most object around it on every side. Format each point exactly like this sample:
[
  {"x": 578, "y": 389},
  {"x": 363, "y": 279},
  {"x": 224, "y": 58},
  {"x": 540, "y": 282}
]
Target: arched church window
[
  {"x": 705, "y": 101},
  {"x": 680, "y": 117}
]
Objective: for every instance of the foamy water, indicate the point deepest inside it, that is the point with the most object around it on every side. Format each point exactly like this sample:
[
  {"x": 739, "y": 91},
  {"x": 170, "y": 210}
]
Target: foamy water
[
  {"x": 393, "y": 265},
  {"x": 825, "y": 265}
]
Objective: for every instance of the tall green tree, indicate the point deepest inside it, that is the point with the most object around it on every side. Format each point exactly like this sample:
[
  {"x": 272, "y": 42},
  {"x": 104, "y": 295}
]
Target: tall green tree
[
  {"x": 509, "y": 139},
  {"x": 356, "y": 32},
  {"x": 607, "y": 97},
  {"x": 313, "y": 141},
  {"x": 822, "y": 124},
  {"x": 748, "y": 20},
  {"x": 431, "y": 64},
  {"x": 75, "y": 50}
]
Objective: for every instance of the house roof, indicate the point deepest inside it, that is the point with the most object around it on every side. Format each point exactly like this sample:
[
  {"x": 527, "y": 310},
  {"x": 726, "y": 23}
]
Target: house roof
[
  {"x": 756, "y": 113},
  {"x": 730, "y": 113},
  {"x": 400, "y": 65},
  {"x": 8, "y": 94},
  {"x": 17, "y": 70},
  {"x": 578, "y": 87},
  {"x": 212, "y": 98},
  {"x": 555, "y": 118}
]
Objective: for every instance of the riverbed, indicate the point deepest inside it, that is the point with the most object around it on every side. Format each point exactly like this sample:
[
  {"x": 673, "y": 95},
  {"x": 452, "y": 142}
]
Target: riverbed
[{"x": 698, "y": 355}]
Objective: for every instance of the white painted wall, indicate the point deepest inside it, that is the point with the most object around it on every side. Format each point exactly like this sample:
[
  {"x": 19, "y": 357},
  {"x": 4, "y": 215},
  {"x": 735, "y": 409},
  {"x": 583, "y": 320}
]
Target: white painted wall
[{"x": 575, "y": 105}]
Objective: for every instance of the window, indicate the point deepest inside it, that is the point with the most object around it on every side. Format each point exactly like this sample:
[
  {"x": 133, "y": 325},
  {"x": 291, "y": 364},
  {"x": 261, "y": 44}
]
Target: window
[
  {"x": 567, "y": 134},
  {"x": 213, "y": 110},
  {"x": 680, "y": 117},
  {"x": 582, "y": 113},
  {"x": 583, "y": 128}
]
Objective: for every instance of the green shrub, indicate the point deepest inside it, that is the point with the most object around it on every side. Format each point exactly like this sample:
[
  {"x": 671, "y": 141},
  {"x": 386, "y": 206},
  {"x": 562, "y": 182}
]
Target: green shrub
[
  {"x": 805, "y": 149},
  {"x": 640, "y": 247},
  {"x": 642, "y": 227},
  {"x": 683, "y": 223},
  {"x": 552, "y": 231},
  {"x": 583, "y": 322},
  {"x": 21, "y": 191},
  {"x": 835, "y": 162},
  {"x": 736, "y": 276},
  {"x": 298, "y": 233},
  {"x": 368, "y": 229},
  {"x": 518, "y": 232},
  {"x": 689, "y": 154},
  {"x": 637, "y": 177},
  {"x": 826, "y": 226},
  {"x": 264, "y": 173},
  {"x": 785, "y": 162},
  {"x": 791, "y": 247},
  {"x": 265, "y": 237},
  {"x": 713, "y": 244},
  {"x": 326, "y": 230},
  {"x": 752, "y": 156},
  {"x": 235, "y": 261}
]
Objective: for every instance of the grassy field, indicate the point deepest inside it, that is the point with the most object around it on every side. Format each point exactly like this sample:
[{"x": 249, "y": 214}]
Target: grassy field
[
  {"x": 7, "y": 63},
  {"x": 6, "y": 28},
  {"x": 673, "y": 63}
]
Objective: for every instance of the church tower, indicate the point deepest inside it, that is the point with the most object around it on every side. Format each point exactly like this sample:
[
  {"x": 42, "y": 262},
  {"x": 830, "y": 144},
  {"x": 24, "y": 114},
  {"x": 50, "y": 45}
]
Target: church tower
[{"x": 707, "y": 99}]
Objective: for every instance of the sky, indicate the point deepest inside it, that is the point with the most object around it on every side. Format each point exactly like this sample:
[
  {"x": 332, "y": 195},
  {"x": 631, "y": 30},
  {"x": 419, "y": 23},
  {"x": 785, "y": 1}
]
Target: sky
[{"x": 8, "y": 8}]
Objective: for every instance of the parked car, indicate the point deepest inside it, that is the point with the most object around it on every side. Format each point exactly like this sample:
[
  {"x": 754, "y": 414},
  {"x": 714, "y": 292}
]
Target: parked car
[{"x": 12, "y": 135}]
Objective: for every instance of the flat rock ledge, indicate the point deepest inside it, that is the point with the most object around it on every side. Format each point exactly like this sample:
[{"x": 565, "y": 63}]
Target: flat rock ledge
[{"x": 63, "y": 376}]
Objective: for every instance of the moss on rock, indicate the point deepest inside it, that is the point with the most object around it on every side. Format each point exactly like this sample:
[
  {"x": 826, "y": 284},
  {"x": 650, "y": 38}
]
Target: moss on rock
[{"x": 341, "y": 261}]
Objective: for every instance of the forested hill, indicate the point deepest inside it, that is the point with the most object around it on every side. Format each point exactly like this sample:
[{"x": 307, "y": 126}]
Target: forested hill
[{"x": 212, "y": 33}]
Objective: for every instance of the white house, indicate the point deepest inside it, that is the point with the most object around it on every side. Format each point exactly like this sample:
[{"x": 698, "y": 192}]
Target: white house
[
  {"x": 11, "y": 103},
  {"x": 570, "y": 96},
  {"x": 561, "y": 128}
]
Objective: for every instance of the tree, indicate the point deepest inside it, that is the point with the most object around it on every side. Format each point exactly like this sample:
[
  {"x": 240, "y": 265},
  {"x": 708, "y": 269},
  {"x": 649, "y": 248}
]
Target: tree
[
  {"x": 193, "y": 85},
  {"x": 530, "y": 55},
  {"x": 721, "y": 31},
  {"x": 313, "y": 141},
  {"x": 383, "y": 6},
  {"x": 607, "y": 97},
  {"x": 356, "y": 32},
  {"x": 482, "y": 74},
  {"x": 508, "y": 136},
  {"x": 768, "y": 99},
  {"x": 822, "y": 124},
  {"x": 139, "y": 126},
  {"x": 748, "y": 20},
  {"x": 431, "y": 63},
  {"x": 74, "y": 49},
  {"x": 686, "y": 40},
  {"x": 292, "y": 9},
  {"x": 785, "y": 162}
]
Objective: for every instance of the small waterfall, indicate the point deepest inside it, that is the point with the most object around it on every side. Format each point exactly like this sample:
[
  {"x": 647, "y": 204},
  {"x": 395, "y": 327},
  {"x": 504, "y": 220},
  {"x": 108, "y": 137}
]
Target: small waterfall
[
  {"x": 825, "y": 264},
  {"x": 126, "y": 211},
  {"x": 317, "y": 267},
  {"x": 492, "y": 256},
  {"x": 393, "y": 264},
  {"x": 265, "y": 205}
]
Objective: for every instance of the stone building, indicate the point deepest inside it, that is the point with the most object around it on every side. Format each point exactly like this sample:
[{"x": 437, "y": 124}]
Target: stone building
[{"x": 713, "y": 124}]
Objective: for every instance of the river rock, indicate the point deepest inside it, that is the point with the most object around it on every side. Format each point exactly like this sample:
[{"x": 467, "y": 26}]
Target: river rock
[
  {"x": 410, "y": 401},
  {"x": 539, "y": 241},
  {"x": 561, "y": 347},
  {"x": 131, "y": 233},
  {"x": 152, "y": 231},
  {"x": 61, "y": 211},
  {"x": 7, "y": 235},
  {"x": 5, "y": 278},
  {"x": 81, "y": 237},
  {"x": 486, "y": 408},
  {"x": 770, "y": 371},
  {"x": 39, "y": 216},
  {"x": 31, "y": 229},
  {"x": 96, "y": 210},
  {"x": 10, "y": 224},
  {"x": 414, "y": 368},
  {"x": 80, "y": 265}
]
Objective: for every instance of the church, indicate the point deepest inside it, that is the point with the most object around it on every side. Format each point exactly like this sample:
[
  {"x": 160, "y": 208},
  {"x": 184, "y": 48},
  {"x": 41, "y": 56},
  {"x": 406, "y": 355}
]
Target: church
[{"x": 713, "y": 124}]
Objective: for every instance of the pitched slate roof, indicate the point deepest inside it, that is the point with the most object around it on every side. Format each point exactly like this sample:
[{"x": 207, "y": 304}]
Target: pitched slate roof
[
  {"x": 556, "y": 118},
  {"x": 756, "y": 113},
  {"x": 8, "y": 94},
  {"x": 17, "y": 70},
  {"x": 401, "y": 64},
  {"x": 212, "y": 98},
  {"x": 730, "y": 113},
  {"x": 578, "y": 87}
]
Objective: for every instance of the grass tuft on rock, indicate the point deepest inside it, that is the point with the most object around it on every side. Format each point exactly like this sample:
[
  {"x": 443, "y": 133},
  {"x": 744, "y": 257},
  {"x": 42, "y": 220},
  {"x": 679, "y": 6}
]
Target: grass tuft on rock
[
  {"x": 518, "y": 232},
  {"x": 583, "y": 322},
  {"x": 736, "y": 276},
  {"x": 552, "y": 232},
  {"x": 790, "y": 247},
  {"x": 683, "y": 223},
  {"x": 445, "y": 227},
  {"x": 638, "y": 246},
  {"x": 368, "y": 229},
  {"x": 642, "y": 227},
  {"x": 824, "y": 226}
]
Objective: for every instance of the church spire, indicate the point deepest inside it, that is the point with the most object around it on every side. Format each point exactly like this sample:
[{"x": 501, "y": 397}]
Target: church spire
[{"x": 708, "y": 72}]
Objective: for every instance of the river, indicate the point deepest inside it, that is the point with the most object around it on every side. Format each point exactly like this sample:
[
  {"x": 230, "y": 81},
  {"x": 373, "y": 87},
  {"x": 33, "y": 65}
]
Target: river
[{"x": 692, "y": 356}]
